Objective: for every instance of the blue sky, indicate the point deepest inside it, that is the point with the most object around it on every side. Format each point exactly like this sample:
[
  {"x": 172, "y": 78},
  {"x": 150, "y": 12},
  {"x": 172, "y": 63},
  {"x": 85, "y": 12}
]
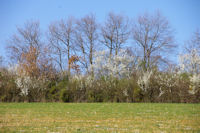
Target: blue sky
[{"x": 183, "y": 15}]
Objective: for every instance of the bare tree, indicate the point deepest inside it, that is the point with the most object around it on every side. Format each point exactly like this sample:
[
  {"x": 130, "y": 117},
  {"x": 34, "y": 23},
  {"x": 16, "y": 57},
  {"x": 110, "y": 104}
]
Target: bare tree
[
  {"x": 26, "y": 37},
  {"x": 193, "y": 43},
  {"x": 115, "y": 32},
  {"x": 28, "y": 50},
  {"x": 32, "y": 57},
  {"x": 86, "y": 39},
  {"x": 190, "y": 59},
  {"x": 153, "y": 34},
  {"x": 61, "y": 41}
]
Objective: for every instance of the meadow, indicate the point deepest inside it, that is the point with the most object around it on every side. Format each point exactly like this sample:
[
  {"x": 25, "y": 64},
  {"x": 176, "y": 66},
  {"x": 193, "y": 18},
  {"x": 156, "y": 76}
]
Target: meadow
[{"x": 99, "y": 117}]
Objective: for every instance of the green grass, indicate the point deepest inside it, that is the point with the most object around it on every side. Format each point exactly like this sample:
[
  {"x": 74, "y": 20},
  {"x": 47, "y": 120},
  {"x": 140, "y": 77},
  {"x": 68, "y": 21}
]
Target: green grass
[{"x": 99, "y": 117}]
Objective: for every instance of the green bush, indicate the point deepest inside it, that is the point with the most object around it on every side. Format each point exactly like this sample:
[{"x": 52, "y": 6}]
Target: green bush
[
  {"x": 66, "y": 95},
  {"x": 56, "y": 88},
  {"x": 8, "y": 90}
]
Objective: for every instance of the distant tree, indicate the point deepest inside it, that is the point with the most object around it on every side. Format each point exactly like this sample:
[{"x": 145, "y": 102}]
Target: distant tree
[
  {"x": 26, "y": 37},
  {"x": 153, "y": 34},
  {"x": 34, "y": 63},
  {"x": 115, "y": 32},
  {"x": 193, "y": 43},
  {"x": 61, "y": 40},
  {"x": 86, "y": 39},
  {"x": 190, "y": 62}
]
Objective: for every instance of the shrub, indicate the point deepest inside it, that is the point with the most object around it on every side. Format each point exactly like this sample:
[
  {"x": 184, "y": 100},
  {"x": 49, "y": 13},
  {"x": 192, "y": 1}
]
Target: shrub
[
  {"x": 54, "y": 93},
  {"x": 66, "y": 95},
  {"x": 8, "y": 89}
]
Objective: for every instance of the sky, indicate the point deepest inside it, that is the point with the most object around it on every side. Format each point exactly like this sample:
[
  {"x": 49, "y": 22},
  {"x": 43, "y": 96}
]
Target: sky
[{"x": 183, "y": 15}]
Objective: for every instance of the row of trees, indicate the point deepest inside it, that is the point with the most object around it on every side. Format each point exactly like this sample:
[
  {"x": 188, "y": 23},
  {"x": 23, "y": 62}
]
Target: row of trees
[{"x": 117, "y": 61}]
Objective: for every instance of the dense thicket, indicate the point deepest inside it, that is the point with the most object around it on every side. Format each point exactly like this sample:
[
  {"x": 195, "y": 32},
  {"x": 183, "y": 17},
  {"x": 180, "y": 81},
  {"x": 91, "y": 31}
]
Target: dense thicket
[{"x": 81, "y": 60}]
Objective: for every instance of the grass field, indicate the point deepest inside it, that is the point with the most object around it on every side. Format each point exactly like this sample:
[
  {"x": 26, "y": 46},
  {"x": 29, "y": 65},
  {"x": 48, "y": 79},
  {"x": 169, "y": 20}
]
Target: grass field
[{"x": 99, "y": 117}]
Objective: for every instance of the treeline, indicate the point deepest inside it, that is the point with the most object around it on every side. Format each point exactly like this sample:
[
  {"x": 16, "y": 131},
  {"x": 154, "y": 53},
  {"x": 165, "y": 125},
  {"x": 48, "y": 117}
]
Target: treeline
[{"x": 81, "y": 60}]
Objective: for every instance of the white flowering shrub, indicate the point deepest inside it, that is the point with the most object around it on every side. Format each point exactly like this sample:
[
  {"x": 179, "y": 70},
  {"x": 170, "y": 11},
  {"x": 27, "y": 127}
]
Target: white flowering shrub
[
  {"x": 190, "y": 63},
  {"x": 118, "y": 66},
  {"x": 83, "y": 81},
  {"x": 167, "y": 82},
  {"x": 144, "y": 80},
  {"x": 26, "y": 83},
  {"x": 13, "y": 69},
  {"x": 23, "y": 84},
  {"x": 195, "y": 84}
]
